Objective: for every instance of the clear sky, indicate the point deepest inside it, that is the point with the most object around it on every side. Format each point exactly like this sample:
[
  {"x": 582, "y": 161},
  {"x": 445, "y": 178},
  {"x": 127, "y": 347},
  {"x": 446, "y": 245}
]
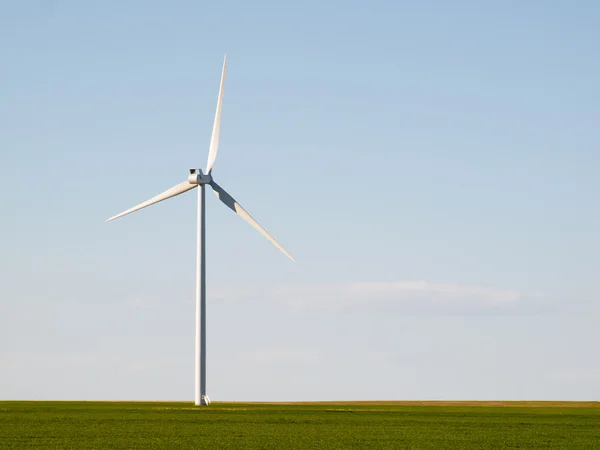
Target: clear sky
[{"x": 432, "y": 165}]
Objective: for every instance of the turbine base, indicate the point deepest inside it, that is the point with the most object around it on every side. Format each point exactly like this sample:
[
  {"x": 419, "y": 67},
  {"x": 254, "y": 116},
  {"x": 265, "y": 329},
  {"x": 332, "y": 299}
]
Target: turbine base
[{"x": 205, "y": 401}]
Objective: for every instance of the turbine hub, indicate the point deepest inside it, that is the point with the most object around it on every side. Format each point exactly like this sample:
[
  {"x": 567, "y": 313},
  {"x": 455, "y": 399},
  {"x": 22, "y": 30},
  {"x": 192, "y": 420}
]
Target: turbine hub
[{"x": 197, "y": 177}]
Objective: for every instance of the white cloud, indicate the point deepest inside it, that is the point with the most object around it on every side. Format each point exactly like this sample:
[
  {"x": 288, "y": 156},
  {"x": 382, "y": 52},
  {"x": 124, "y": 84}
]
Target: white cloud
[{"x": 418, "y": 297}]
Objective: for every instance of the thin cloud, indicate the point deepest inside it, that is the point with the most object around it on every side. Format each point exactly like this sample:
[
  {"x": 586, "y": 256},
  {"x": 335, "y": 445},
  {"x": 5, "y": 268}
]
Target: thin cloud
[{"x": 407, "y": 297}]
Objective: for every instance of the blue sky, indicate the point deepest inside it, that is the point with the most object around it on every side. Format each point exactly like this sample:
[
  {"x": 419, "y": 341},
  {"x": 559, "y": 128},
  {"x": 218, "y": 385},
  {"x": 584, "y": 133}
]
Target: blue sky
[{"x": 432, "y": 167}]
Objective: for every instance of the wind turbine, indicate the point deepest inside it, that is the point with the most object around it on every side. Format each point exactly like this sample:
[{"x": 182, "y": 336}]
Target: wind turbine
[{"x": 198, "y": 179}]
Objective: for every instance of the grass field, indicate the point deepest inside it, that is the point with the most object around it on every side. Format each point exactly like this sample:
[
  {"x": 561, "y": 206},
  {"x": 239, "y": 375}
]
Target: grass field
[{"x": 419, "y": 425}]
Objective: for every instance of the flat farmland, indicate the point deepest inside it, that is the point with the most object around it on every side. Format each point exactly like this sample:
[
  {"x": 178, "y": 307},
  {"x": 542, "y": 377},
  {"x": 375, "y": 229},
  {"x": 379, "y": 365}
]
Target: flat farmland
[{"x": 420, "y": 425}]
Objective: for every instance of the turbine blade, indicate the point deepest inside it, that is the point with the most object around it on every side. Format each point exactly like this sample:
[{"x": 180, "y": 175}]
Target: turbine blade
[
  {"x": 237, "y": 208},
  {"x": 214, "y": 139},
  {"x": 175, "y": 190}
]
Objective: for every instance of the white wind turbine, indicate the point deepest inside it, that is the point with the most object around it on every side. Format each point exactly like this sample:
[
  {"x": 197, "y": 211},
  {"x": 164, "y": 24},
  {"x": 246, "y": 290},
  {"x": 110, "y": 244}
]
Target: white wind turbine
[{"x": 199, "y": 180}]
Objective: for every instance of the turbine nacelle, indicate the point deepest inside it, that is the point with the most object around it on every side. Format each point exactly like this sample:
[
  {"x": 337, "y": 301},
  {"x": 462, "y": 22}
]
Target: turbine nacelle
[{"x": 197, "y": 177}]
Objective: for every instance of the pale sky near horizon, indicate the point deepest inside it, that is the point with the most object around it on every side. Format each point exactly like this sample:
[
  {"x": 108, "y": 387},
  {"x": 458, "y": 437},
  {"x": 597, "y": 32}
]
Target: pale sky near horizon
[{"x": 433, "y": 168}]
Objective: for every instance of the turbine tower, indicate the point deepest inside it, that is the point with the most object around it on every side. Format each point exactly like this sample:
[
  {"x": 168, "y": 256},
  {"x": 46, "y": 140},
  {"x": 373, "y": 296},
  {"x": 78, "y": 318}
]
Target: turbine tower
[{"x": 199, "y": 179}]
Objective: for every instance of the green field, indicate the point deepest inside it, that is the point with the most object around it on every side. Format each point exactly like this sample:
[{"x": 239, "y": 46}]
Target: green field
[{"x": 419, "y": 425}]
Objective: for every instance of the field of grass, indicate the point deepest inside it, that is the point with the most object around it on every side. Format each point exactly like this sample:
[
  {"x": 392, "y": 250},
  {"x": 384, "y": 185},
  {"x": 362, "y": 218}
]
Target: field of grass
[{"x": 419, "y": 425}]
